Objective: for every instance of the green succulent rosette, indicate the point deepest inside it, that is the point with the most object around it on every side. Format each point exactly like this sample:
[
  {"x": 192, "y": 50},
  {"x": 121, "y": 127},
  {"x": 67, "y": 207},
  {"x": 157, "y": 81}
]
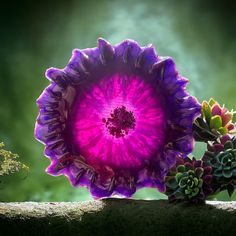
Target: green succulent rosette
[
  {"x": 221, "y": 156},
  {"x": 188, "y": 180},
  {"x": 214, "y": 122}
]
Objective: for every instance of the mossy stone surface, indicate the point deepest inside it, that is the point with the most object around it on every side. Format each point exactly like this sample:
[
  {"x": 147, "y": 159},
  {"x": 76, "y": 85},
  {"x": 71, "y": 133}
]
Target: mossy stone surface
[{"x": 117, "y": 217}]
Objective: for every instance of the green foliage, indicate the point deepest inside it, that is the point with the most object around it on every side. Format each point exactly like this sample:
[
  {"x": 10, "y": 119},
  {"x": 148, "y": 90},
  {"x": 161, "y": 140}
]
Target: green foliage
[{"x": 9, "y": 163}]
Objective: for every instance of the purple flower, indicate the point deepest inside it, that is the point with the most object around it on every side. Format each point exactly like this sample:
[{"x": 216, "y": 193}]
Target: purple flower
[{"x": 115, "y": 118}]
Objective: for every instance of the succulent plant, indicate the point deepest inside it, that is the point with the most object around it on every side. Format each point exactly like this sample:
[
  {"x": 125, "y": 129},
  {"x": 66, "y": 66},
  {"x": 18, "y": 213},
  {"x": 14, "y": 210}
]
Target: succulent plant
[
  {"x": 221, "y": 156},
  {"x": 189, "y": 180},
  {"x": 214, "y": 122}
]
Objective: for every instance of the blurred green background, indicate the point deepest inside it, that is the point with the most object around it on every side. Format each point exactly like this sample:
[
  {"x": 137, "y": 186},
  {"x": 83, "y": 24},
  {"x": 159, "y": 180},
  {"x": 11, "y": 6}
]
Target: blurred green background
[{"x": 35, "y": 35}]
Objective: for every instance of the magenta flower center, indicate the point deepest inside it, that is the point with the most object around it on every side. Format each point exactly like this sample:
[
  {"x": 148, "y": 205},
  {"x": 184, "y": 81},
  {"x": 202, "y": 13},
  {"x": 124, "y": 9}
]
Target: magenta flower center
[{"x": 120, "y": 122}]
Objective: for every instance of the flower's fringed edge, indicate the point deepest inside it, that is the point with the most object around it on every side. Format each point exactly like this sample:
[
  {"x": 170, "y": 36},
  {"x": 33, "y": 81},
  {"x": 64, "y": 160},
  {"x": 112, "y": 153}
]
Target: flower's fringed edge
[{"x": 57, "y": 98}]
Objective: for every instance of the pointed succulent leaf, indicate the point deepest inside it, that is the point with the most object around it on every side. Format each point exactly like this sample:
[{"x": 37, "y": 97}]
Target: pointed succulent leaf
[
  {"x": 216, "y": 109},
  {"x": 195, "y": 180},
  {"x": 218, "y": 147},
  {"x": 207, "y": 179},
  {"x": 227, "y": 168},
  {"x": 216, "y": 122},
  {"x": 218, "y": 173},
  {"x": 227, "y": 118},
  {"x": 200, "y": 183},
  {"x": 232, "y": 128},
  {"x": 228, "y": 145},
  {"x": 181, "y": 168},
  {"x": 178, "y": 177},
  {"x": 199, "y": 171},
  {"x": 212, "y": 102},
  {"x": 223, "y": 130},
  {"x": 206, "y": 111},
  {"x": 227, "y": 173},
  {"x": 219, "y": 156},
  {"x": 183, "y": 182},
  {"x": 233, "y": 153},
  {"x": 225, "y": 159},
  {"x": 191, "y": 172},
  {"x": 195, "y": 191},
  {"x": 233, "y": 165},
  {"x": 188, "y": 191},
  {"x": 207, "y": 170}
]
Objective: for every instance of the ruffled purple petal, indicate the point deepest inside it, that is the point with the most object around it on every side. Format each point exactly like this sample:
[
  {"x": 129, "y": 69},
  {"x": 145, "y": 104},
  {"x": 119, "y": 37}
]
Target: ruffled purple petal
[{"x": 95, "y": 77}]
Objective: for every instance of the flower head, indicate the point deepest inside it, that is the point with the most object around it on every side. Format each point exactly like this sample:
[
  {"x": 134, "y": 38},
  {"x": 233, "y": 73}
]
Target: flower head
[
  {"x": 190, "y": 180},
  {"x": 221, "y": 156},
  {"x": 115, "y": 118},
  {"x": 213, "y": 122}
]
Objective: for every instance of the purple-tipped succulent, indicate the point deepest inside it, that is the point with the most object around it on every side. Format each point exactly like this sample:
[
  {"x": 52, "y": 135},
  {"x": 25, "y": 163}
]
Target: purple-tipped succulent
[
  {"x": 189, "y": 180},
  {"x": 221, "y": 156},
  {"x": 115, "y": 118}
]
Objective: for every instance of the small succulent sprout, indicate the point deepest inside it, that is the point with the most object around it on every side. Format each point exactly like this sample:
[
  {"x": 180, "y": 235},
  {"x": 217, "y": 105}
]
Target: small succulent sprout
[
  {"x": 221, "y": 156},
  {"x": 214, "y": 122},
  {"x": 189, "y": 180}
]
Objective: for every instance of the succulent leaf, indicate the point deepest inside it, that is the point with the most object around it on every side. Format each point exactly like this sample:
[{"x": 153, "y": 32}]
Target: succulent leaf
[
  {"x": 181, "y": 168},
  {"x": 212, "y": 102},
  {"x": 216, "y": 122},
  {"x": 228, "y": 145},
  {"x": 206, "y": 111},
  {"x": 223, "y": 130},
  {"x": 227, "y": 173}
]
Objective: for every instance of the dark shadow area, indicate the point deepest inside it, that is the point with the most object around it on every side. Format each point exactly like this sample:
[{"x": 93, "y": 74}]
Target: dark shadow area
[{"x": 123, "y": 217}]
